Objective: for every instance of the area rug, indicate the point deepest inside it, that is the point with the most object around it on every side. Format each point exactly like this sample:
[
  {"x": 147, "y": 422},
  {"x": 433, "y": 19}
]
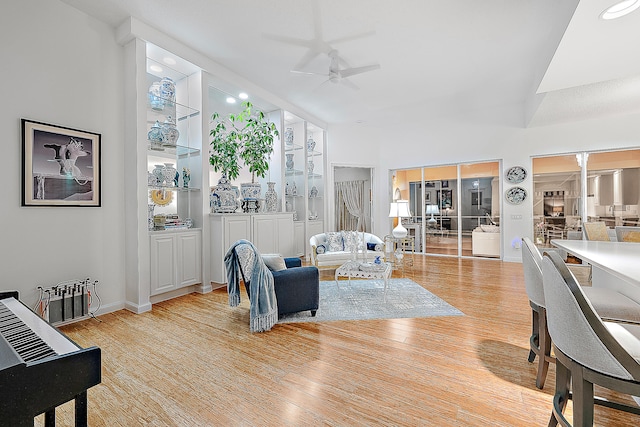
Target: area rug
[{"x": 366, "y": 299}]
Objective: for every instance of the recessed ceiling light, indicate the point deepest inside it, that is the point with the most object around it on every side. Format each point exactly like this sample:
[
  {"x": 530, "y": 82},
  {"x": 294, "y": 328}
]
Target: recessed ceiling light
[
  {"x": 168, "y": 60},
  {"x": 243, "y": 95},
  {"x": 620, "y": 9},
  {"x": 231, "y": 100},
  {"x": 156, "y": 68}
]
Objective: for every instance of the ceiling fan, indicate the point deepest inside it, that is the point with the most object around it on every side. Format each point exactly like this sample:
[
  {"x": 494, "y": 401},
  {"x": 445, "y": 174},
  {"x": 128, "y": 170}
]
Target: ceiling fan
[{"x": 338, "y": 75}]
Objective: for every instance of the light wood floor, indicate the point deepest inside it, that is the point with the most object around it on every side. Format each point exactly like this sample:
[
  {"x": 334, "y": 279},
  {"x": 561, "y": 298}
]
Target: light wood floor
[{"x": 191, "y": 361}]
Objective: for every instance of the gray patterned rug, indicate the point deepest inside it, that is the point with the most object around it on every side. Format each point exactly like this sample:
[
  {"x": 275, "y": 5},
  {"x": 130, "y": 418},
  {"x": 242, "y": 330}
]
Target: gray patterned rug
[{"x": 365, "y": 299}]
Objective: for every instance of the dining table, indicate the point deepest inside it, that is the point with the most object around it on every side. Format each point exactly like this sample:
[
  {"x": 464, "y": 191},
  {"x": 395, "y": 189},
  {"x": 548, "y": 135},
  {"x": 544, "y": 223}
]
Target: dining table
[{"x": 614, "y": 265}]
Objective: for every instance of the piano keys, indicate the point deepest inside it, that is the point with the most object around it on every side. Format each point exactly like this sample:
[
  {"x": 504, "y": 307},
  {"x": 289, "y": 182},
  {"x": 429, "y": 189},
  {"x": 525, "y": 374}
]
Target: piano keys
[{"x": 40, "y": 368}]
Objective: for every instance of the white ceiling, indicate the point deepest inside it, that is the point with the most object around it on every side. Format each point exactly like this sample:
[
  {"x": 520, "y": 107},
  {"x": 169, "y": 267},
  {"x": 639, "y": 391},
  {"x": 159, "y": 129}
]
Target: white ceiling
[{"x": 436, "y": 57}]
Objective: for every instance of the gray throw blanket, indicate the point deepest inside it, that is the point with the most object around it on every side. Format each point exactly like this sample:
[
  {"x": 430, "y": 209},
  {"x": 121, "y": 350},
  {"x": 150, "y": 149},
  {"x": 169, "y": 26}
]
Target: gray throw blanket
[{"x": 264, "y": 307}]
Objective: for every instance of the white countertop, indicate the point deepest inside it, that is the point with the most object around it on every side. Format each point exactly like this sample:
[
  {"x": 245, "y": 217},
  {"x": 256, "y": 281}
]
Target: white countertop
[{"x": 620, "y": 259}]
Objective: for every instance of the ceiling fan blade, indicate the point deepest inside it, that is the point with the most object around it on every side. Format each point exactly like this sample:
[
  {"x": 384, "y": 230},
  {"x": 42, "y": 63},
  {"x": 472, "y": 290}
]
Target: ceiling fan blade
[
  {"x": 358, "y": 70},
  {"x": 307, "y": 58},
  {"x": 290, "y": 40},
  {"x": 353, "y": 37},
  {"x": 349, "y": 84},
  {"x": 321, "y": 85},
  {"x": 309, "y": 73}
]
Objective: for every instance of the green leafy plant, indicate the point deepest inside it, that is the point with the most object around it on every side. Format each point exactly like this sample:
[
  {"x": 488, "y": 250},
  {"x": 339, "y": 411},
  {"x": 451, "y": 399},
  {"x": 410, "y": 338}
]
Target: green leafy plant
[{"x": 247, "y": 136}]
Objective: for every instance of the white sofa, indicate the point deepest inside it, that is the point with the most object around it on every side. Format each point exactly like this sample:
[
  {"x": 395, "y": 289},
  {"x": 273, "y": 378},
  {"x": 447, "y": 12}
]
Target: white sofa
[{"x": 323, "y": 257}]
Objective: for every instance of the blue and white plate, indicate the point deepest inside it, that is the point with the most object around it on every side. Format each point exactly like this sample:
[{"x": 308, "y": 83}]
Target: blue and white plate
[
  {"x": 515, "y": 195},
  {"x": 516, "y": 175}
]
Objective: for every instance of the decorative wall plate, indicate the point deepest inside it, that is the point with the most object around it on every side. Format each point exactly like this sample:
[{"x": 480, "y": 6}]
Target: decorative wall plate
[
  {"x": 516, "y": 175},
  {"x": 515, "y": 195},
  {"x": 161, "y": 197}
]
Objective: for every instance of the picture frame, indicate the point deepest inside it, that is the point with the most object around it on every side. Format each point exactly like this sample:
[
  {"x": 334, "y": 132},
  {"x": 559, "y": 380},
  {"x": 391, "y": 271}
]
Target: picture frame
[
  {"x": 60, "y": 166},
  {"x": 445, "y": 184},
  {"x": 445, "y": 199},
  {"x": 476, "y": 198},
  {"x": 427, "y": 196}
]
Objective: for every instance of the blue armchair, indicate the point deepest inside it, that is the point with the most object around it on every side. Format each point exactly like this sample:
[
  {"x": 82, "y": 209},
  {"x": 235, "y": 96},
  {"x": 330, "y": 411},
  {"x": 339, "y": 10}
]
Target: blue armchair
[{"x": 297, "y": 288}]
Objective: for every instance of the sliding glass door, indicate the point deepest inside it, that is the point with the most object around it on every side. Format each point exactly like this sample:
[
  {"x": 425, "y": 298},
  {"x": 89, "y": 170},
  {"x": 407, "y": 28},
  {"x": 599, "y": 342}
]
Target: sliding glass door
[{"x": 448, "y": 203}]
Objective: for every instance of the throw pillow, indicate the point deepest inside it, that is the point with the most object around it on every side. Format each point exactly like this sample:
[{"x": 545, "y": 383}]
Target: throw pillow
[
  {"x": 274, "y": 262},
  {"x": 374, "y": 247},
  {"x": 334, "y": 241},
  {"x": 350, "y": 241},
  {"x": 320, "y": 249}
]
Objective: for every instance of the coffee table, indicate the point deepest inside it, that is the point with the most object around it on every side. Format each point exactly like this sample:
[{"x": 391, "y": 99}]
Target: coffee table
[{"x": 364, "y": 270}]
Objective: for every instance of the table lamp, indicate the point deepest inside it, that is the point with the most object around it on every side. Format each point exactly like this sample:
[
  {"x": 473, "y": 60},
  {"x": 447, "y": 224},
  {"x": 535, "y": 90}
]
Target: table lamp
[
  {"x": 399, "y": 209},
  {"x": 432, "y": 209}
]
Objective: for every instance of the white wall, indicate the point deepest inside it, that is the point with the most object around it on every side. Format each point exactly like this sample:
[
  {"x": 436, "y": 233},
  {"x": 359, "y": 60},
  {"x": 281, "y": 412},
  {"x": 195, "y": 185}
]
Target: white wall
[
  {"x": 488, "y": 135},
  {"x": 61, "y": 67}
]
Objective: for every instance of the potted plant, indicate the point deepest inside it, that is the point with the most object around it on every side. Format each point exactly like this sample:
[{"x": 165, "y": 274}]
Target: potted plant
[{"x": 249, "y": 137}]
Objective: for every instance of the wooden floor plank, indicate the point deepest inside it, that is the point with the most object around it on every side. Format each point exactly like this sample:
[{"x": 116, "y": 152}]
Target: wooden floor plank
[{"x": 192, "y": 361}]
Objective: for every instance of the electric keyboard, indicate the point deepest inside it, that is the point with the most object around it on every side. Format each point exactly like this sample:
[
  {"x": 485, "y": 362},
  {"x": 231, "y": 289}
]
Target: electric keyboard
[{"x": 40, "y": 368}]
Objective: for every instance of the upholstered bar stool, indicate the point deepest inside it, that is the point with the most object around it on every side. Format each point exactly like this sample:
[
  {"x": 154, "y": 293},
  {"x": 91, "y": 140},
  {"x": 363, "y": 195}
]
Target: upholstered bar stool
[
  {"x": 609, "y": 304},
  {"x": 588, "y": 350}
]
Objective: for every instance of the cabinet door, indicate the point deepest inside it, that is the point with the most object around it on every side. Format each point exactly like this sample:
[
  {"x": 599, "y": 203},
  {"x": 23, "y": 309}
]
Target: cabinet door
[
  {"x": 265, "y": 234},
  {"x": 285, "y": 235},
  {"x": 236, "y": 229},
  {"x": 298, "y": 238},
  {"x": 163, "y": 273},
  {"x": 188, "y": 255}
]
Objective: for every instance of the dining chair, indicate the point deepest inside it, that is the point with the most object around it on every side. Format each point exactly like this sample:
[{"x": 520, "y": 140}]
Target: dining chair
[
  {"x": 596, "y": 230},
  {"x": 588, "y": 350},
  {"x": 608, "y": 303},
  {"x": 628, "y": 234}
]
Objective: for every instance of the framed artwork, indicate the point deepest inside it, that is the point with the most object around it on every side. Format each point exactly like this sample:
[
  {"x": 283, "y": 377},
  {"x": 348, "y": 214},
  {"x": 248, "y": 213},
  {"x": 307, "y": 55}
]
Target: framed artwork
[
  {"x": 445, "y": 199},
  {"x": 476, "y": 198},
  {"x": 60, "y": 166},
  {"x": 445, "y": 184},
  {"x": 427, "y": 196}
]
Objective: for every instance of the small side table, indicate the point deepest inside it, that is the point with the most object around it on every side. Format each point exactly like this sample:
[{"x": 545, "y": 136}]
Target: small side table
[{"x": 396, "y": 249}]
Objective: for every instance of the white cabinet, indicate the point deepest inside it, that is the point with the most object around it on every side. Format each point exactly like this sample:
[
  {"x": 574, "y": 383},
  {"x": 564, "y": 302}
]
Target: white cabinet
[
  {"x": 303, "y": 146},
  {"x": 270, "y": 233},
  {"x": 298, "y": 238},
  {"x": 273, "y": 234},
  {"x": 164, "y": 133},
  {"x": 175, "y": 260}
]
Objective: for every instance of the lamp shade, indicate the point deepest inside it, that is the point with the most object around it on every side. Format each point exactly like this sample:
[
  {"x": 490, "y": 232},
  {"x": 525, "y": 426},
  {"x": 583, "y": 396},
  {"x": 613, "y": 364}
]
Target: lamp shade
[
  {"x": 399, "y": 209},
  {"x": 432, "y": 209},
  {"x": 403, "y": 209}
]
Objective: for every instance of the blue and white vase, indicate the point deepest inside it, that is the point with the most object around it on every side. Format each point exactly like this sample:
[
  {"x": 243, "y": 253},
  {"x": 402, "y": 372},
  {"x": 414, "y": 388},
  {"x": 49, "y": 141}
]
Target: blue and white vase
[
  {"x": 150, "y": 225},
  {"x": 169, "y": 131},
  {"x": 169, "y": 174},
  {"x": 155, "y": 97},
  {"x": 155, "y": 135},
  {"x": 271, "y": 198},
  {"x": 310, "y": 167},
  {"x": 289, "y": 162},
  {"x": 168, "y": 91},
  {"x": 250, "y": 190},
  {"x": 311, "y": 144},
  {"x": 288, "y": 136},
  {"x": 158, "y": 173}
]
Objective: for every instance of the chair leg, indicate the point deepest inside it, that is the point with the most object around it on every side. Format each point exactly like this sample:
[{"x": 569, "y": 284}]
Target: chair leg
[
  {"x": 533, "y": 341},
  {"x": 582, "y": 400},
  {"x": 313, "y": 313},
  {"x": 563, "y": 384},
  {"x": 545, "y": 349}
]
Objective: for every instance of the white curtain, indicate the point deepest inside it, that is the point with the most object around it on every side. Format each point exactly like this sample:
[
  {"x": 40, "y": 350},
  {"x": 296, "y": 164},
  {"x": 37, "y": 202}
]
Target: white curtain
[{"x": 350, "y": 205}]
